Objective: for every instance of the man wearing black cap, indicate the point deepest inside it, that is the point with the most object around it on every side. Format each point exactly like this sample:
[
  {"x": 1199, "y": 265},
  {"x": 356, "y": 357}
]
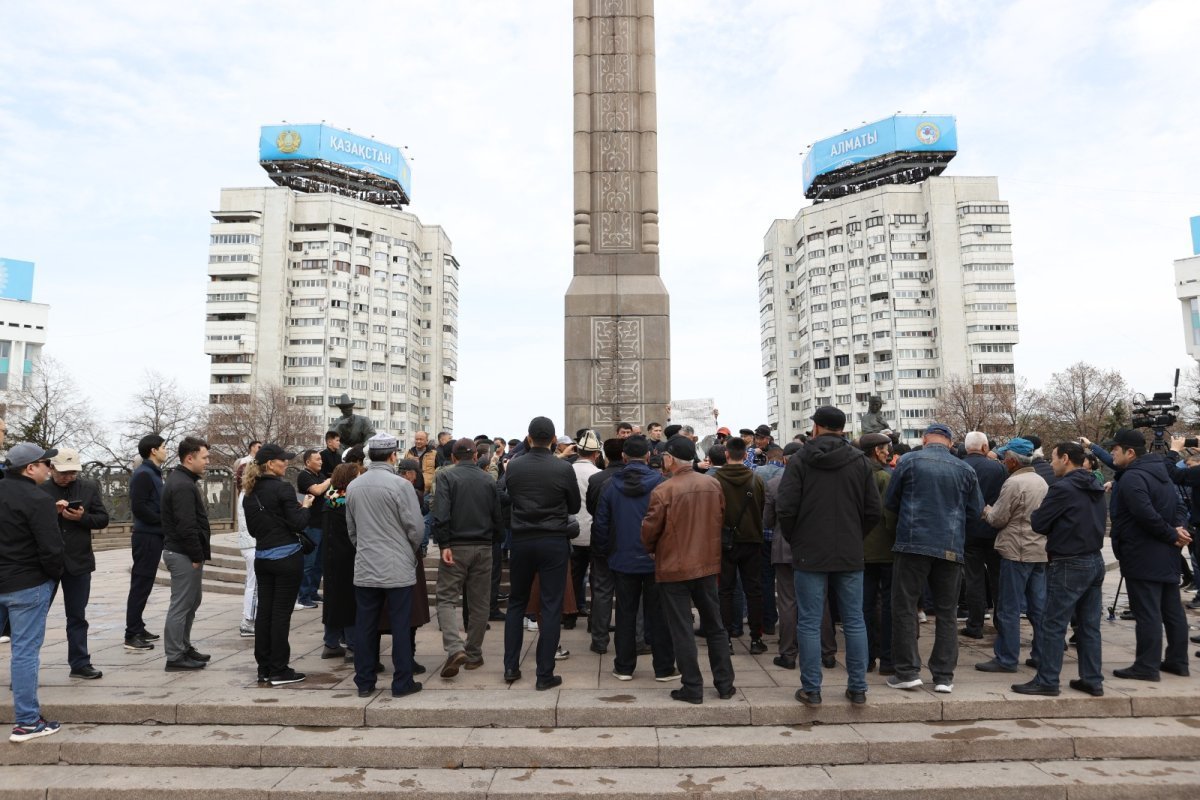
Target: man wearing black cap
[
  {"x": 540, "y": 493},
  {"x": 466, "y": 522},
  {"x": 828, "y": 502},
  {"x": 1148, "y": 532},
  {"x": 682, "y": 531},
  {"x": 933, "y": 494}
]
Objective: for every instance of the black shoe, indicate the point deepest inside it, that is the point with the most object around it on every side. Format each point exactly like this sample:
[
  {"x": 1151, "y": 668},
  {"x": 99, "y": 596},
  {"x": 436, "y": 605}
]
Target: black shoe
[
  {"x": 1127, "y": 614},
  {"x": 757, "y": 647},
  {"x": 184, "y": 664},
  {"x": 512, "y": 675},
  {"x": 681, "y": 696},
  {"x": 149, "y": 637},
  {"x": 1181, "y": 671},
  {"x": 332, "y": 652},
  {"x": 453, "y": 664},
  {"x": 970, "y": 634},
  {"x": 196, "y": 655},
  {"x": 828, "y": 662},
  {"x": 1131, "y": 674},
  {"x": 263, "y": 677},
  {"x": 1194, "y": 639},
  {"x": 137, "y": 644},
  {"x": 496, "y": 616},
  {"x": 548, "y": 683},
  {"x": 418, "y": 669},
  {"x": 857, "y": 698},
  {"x": 378, "y": 667},
  {"x": 993, "y": 666},
  {"x": 598, "y": 650},
  {"x": 786, "y": 663},
  {"x": 416, "y": 687},
  {"x": 287, "y": 676},
  {"x": 1032, "y": 662},
  {"x": 811, "y": 698},
  {"x": 568, "y": 624},
  {"x": 88, "y": 673},
  {"x": 366, "y": 692},
  {"x": 1081, "y": 685},
  {"x": 728, "y": 693},
  {"x": 1033, "y": 687}
]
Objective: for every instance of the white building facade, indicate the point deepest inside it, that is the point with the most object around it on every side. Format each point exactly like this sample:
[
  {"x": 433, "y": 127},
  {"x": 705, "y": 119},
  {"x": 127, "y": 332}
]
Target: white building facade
[
  {"x": 324, "y": 295},
  {"x": 890, "y": 291},
  {"x": 22, "y": 336},
  {"x": 1187, "y": 289}
]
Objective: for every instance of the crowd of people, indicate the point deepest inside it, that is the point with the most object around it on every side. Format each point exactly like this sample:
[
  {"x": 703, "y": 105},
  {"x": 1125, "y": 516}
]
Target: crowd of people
[{"x": 752, "y": 535}]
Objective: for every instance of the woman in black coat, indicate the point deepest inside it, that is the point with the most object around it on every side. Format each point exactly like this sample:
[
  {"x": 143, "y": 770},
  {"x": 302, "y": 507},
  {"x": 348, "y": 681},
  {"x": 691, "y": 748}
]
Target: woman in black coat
[
  {"x": 275, "y": 520},
  {"x": 340, "y": 608}
]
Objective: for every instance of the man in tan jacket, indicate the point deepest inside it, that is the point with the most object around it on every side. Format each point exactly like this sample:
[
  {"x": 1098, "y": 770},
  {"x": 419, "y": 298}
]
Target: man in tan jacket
[
  {"x": 1022, "y": 557},
  {"x": 682, "y": 533}
]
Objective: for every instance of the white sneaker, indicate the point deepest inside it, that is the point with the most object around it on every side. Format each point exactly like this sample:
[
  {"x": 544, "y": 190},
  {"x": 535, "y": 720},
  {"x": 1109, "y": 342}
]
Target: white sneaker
[
  {"x": 896, "y": 682},
  {"x": 5, "y": 640},
  {"x": 944, "y": 688},
  {"x": 921, "y": 617},
  {"x": 246, "y": 629},
  {"x": 530, "y": 624},
  {"x": 621, "y": 676},
  {"x": 561, "y": 654}
]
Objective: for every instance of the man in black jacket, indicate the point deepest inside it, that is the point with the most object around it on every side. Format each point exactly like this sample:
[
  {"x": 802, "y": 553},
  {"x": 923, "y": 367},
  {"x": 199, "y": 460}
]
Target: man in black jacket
[
  {"x": 185, "y": 549},
  {"x": 827, "y": 504},
  {"x": 466, "y": 522},
  {"x": 31, "y": 560},
  {"x": 80, "y": 511},
  {"x": 145, "y": 503},
  {"x": 981, "y": 562},
  {"x": 1147, "y": 535},
  {"x": 541, "y": 493},
  {"x": 1071, "y": 517}
]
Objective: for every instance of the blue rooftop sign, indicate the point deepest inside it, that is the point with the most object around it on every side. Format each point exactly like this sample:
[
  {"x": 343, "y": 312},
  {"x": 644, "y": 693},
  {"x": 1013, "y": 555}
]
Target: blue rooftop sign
[
  {"x": 900, "y": 133},
  {"x": 326, "y": 143}
]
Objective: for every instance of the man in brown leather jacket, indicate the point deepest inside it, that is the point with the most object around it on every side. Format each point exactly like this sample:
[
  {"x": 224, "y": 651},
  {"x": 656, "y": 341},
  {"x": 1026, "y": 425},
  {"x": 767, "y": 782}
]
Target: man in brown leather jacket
[{"x": 682, "y": 532}]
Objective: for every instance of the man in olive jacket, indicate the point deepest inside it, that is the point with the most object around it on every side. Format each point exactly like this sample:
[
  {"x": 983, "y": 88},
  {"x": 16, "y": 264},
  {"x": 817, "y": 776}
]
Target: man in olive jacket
[
  {"x": 745, "y": 496},
  {"x": 827, "y": 504}
]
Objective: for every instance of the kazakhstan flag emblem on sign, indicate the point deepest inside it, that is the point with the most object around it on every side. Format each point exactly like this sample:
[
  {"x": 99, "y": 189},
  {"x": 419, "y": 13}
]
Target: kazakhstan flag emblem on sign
[{"x": 288, "y": 141}]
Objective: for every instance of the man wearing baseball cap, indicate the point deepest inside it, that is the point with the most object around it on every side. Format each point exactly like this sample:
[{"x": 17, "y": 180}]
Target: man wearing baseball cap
[
  {"x": 31, "y": 560},
  {"x": 80, "y": 512},
  {"x": 933, "y": 494}
]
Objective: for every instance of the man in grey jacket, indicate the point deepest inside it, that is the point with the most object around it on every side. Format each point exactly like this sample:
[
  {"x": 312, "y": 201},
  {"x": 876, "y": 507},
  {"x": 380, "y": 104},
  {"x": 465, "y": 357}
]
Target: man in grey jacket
[{"x": 383, "y": 519}]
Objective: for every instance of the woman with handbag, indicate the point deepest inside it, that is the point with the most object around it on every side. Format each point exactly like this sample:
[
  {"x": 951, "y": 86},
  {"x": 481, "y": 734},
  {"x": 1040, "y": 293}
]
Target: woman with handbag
[{"x": 277, "y": 522}]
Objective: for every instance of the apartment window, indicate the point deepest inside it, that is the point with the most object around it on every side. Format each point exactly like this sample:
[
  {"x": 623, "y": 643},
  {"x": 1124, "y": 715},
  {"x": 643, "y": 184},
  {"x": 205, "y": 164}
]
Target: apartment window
[
  {"x": 305, "y": 361},
  {"x": 234, "y": 238},
  {"x": 904, "y": 219},
  {"x": 874, "y": 222}
]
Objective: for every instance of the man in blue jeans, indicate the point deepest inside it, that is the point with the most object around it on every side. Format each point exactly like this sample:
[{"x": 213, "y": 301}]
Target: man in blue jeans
[
  {"x": 311, "y": 481},
  {"x": 1022, "y": 557},
  {"x": 31, "y": 560},
  {"x": 1072, "y": 519},
  {"x": 827, "y": 503}
]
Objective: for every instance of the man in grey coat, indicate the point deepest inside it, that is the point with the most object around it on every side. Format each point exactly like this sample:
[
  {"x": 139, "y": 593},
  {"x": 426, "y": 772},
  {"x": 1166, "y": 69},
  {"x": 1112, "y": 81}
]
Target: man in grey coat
[{"x": 383, "y": 519}]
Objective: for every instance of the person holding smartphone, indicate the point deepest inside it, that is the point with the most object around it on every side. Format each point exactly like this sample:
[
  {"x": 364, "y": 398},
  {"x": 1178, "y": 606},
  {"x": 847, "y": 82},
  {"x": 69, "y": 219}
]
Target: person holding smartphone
[{"x": 80, "y": 512}]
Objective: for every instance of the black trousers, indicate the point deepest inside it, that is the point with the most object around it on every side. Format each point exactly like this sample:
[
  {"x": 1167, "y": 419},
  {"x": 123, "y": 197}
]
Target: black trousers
[
  {"x": 278, "y": 587},
  {"x": 911, "y": 574},
  {"x": 981, "y": 580},
  {"x": 545, "y": 558},
  {"x": 744, "y": 560},
  {"x": 370, "y": 600},
  {"x": 677, "y": 600},
  {"x": 76, "y": 592},
  {"x": 496, "y": 569},
  {"x": 633, "y": 590},
  {"x": 581, "y": 557},
  {"x": 1156, "y": 606},
  {"x": 147, "y": 552}
]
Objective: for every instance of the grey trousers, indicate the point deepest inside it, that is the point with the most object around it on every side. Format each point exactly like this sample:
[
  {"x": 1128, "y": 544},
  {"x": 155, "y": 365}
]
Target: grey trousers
[
  {"x": 187, "y": 590},
  {"x": 470, "y": 577},
  {"x": 603, "y": 587},
  {"x": 785, "y": 594}
]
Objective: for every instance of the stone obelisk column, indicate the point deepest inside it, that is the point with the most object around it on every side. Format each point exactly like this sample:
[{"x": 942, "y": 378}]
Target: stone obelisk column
[{"x": 618, "y": 354}]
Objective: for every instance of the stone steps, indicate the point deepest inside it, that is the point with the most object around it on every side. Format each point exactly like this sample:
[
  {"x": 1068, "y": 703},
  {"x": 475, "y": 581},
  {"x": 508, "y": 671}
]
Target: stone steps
[
  {"x": 1044, "y": 780},
  {"x": 619, "y": 748}
]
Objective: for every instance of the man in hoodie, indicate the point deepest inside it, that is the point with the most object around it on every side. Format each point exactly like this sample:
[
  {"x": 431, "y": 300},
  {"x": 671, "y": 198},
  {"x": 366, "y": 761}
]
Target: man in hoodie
[
  {"x": 1071, "y": 517},
  {"x": 828, "y": 502},
  {"x": 1022, "y": 557},
  {"x": 742, "y": 539},
  {"x": 603, "y": 587},
  {"x": 617, "y": 533},
  {"x": 1148, "y": 533}
]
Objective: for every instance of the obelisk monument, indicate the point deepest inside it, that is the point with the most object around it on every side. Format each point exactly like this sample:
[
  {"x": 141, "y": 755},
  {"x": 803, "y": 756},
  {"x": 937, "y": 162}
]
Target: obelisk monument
[{"x": 618, "y": 349}]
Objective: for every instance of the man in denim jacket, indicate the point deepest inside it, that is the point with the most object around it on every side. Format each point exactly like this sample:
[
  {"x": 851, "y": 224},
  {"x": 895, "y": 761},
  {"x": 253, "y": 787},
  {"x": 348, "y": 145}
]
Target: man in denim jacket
[{"x": 933, "y": 493}]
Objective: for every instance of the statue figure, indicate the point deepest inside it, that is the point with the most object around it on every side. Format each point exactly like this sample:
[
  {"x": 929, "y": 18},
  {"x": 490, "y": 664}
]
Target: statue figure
[
  {"x": 352, "y": 428},
  {"x": 873, "y": 421}
]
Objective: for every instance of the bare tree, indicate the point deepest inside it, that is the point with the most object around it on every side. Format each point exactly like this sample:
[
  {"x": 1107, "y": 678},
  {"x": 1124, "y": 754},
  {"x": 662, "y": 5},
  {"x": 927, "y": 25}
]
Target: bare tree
[
  {"x": 266, "y": 415},
  {"x": 157, "y": 406},
  {"x": 48, "y": 409},
  {"x": 1081, "y": 401},
  {"x": 971, "y": 405}
]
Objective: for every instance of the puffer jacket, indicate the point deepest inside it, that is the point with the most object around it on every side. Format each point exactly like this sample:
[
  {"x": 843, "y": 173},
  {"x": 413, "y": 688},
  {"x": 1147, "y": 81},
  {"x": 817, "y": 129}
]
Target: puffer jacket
[
  {"x": 743, "y": 490},
  {"x": 682, "y": 527},
  {"x": 1020, "y": 496},
  {"x": 617, "y": 526}
]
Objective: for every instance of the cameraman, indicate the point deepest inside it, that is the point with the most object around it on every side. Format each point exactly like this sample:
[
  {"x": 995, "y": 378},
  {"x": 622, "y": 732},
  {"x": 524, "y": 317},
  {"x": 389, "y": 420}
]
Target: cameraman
[{"x": 1187, "y": 475}]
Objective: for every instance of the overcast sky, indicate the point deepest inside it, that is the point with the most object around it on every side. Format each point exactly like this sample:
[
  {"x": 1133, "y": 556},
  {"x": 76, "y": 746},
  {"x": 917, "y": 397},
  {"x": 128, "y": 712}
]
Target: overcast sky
[{"x": 121, "y": 121}]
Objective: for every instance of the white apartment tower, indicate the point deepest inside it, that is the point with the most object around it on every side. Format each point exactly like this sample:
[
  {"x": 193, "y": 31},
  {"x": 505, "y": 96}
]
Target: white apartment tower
[
  {"x": 902, "y": 281},
  {"x": 1187, "y": 289},
  {"x": 326, "y": 291}
]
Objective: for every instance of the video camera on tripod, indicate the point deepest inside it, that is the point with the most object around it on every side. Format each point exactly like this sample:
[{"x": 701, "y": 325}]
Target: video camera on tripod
[{"x": 1157, "y": 414}]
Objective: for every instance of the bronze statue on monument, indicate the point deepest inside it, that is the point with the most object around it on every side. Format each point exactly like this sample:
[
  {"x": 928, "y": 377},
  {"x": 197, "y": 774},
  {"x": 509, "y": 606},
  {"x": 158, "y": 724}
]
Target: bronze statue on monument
[
  {"x": 353, "y": 429},
  {"x": 873, "y": 421}
]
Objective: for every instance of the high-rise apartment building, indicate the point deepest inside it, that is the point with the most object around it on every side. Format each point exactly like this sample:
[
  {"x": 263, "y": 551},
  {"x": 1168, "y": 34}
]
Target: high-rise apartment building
[
  {"x": 325, "y": 286},
  {"x": 899, "y": 283},
  {"x": 22, "y": 324},
  {"x": 1187, "y": 289}
]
